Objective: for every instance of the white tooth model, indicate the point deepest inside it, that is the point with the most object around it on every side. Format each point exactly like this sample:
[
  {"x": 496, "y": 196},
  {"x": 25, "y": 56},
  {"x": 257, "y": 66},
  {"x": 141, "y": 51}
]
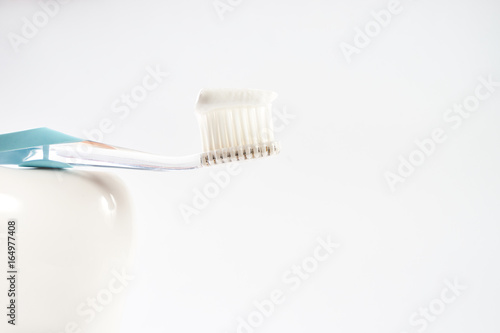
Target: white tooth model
[{"x": 65, "y": 248}]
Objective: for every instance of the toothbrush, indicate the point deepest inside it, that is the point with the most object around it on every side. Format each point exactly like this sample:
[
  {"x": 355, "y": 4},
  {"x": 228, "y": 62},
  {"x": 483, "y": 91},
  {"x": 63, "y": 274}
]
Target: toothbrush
[{"x": 235, "y": 125}]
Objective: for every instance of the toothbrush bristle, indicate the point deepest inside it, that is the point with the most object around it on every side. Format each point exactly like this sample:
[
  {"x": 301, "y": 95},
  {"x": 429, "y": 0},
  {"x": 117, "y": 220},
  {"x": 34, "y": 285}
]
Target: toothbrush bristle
[{"x": 236, "y": 125}]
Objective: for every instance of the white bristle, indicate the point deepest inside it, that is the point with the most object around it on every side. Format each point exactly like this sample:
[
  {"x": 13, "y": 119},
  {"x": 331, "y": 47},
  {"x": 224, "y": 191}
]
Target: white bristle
[{"x": 236, "y": 124}]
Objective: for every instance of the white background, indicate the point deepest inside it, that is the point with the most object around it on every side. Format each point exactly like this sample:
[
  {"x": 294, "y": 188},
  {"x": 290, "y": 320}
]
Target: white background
[{"x": 351, "y": 122}]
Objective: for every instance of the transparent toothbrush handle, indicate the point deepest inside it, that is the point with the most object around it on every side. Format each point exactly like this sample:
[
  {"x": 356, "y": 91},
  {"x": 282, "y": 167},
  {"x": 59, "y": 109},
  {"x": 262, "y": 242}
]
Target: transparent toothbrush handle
[{"x": 89, "y": 153}]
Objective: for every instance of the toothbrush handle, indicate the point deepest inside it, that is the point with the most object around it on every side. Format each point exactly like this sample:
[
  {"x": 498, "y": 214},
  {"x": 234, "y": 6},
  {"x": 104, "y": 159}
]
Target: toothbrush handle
[{"x": 89, "y": 153}]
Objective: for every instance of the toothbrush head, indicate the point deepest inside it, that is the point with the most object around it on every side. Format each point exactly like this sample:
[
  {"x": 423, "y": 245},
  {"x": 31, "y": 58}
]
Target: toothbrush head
[{"x": 235, "y": 125}]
